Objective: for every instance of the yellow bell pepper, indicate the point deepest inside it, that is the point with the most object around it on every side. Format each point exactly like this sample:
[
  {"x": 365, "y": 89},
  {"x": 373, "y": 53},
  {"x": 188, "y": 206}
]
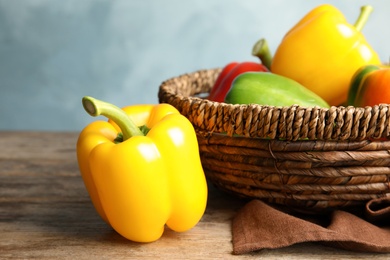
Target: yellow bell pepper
[
  {"x": 322, "y": 52},
  {"x": 137, "y": 182}
]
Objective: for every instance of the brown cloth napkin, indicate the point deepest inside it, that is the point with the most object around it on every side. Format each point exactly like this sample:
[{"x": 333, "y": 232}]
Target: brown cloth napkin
[
  {"x": 259, "y": 226},
  {"x": 378, "y": 211}
]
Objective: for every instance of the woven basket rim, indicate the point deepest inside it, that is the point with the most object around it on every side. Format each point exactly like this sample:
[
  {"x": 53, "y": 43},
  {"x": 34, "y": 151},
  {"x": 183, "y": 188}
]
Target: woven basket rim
[{"x": 289, "y": 123}]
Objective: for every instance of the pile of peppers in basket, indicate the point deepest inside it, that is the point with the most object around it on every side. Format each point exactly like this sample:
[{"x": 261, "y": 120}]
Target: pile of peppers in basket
[
  {"x": 142, "y": 169},
  {"x": 321, "y": 61}
]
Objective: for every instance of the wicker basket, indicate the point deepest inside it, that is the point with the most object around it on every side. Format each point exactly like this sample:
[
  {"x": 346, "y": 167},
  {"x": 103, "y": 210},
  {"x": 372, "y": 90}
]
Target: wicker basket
[{"x": 307, "y": 158}]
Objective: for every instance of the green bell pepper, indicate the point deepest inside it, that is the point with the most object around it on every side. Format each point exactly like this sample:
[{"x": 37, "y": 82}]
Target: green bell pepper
[{"x": 265, "y": 88}]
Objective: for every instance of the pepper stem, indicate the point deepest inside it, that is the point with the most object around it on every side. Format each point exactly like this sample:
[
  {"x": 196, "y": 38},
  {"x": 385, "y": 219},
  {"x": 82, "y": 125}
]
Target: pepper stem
[
  {"x": 262, "y": 51},
  {"x": 365, "y": 12},
  {"x": 96, "y": 107}
]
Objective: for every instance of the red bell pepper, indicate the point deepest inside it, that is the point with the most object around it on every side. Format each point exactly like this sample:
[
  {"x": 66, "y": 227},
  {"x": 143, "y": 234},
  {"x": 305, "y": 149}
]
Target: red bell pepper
[
  {"x": 228, "y": 74},
  {"x": 232, "y": 70},
  {"x": 221, "y": 77}
]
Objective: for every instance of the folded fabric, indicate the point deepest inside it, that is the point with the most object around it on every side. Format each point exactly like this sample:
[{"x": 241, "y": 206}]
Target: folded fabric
[
  {"x": 378, "y": 211},
  {"x": 259, "y": 226}
]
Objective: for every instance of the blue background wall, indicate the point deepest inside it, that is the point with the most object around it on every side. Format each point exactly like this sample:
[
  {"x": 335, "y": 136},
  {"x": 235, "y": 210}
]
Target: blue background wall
[{"x": 54, "y": 52}]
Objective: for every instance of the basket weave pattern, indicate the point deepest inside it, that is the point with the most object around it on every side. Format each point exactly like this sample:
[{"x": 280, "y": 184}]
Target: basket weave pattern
[{"x": 314, "y": 158}]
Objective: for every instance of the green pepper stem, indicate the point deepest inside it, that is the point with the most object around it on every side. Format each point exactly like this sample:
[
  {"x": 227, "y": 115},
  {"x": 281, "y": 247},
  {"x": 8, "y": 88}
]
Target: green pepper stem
[
  {"x": 365, "y": 12},
  {"x": 262, "y": 51},
  {"x": 96, "y": 107}
]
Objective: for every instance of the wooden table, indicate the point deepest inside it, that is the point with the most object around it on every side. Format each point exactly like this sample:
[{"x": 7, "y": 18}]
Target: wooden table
[{"x": 45, "y": 213}]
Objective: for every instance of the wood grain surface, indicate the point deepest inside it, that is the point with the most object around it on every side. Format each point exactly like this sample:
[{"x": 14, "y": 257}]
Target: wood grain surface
[{"x": 45, "y": 213}]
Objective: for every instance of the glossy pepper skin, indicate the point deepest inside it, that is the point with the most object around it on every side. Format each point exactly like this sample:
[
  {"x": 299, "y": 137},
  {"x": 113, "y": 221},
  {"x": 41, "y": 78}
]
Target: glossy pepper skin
[
  {"x": 265, "y": 88},
  {"x": 370, "y": 86},
  {"x": 228, "y": 74},
  {"x": 322, "y": 52},
  {"x": 144, "y": 182}
]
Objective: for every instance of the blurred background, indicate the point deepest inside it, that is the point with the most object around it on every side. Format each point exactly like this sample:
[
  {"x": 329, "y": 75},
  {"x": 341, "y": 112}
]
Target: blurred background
[{"x": 54, "y": 52}]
